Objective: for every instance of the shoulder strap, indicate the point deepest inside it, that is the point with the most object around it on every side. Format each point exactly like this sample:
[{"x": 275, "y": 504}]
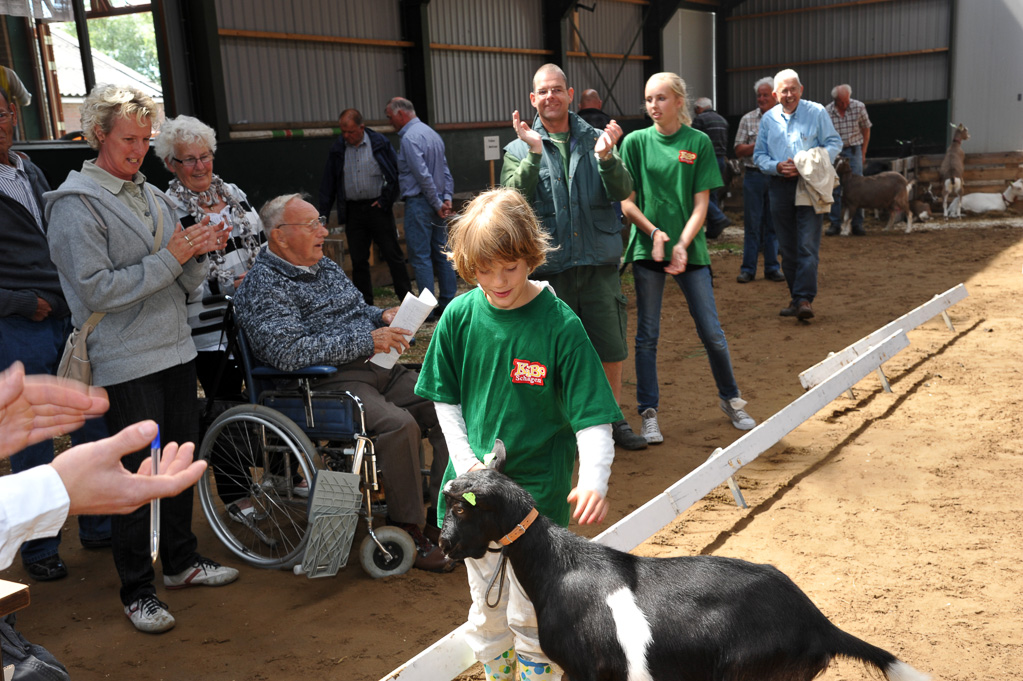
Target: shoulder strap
[{"x": 158, "y": 236}]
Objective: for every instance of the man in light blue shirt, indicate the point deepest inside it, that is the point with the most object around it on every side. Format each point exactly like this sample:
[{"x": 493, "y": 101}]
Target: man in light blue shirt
[
  {"x": 790, "y": 127},
  {"x": 427, "y": 187}
]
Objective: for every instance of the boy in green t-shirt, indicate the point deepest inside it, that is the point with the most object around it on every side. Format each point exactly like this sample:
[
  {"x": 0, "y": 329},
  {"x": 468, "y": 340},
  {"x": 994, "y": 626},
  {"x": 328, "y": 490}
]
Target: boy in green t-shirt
[{"x": 509, "y": 360}]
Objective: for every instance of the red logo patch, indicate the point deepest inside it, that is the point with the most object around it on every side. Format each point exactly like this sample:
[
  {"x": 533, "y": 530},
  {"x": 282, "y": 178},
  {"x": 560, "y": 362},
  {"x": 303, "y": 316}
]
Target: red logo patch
[
  {"x": 686, "y": 157},
  {"x": 530, "y": 373}
]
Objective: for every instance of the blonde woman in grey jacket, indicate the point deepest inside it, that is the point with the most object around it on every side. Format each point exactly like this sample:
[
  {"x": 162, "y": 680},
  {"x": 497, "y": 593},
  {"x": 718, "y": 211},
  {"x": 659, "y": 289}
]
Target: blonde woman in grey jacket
[{"x": 103, "y": 225}]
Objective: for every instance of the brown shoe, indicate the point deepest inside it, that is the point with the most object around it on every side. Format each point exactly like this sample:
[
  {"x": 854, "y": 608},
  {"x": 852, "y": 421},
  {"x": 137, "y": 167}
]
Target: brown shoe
[
  {"x": 805, "y": 311},
  {"x": 791, "y": 311}
]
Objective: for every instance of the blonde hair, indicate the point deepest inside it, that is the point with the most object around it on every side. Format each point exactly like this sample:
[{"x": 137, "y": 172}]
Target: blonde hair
[
  {"x": 678, "y": 86},
  {"x": 107, "y": 102},
  {"x": 497, "y": 226}
]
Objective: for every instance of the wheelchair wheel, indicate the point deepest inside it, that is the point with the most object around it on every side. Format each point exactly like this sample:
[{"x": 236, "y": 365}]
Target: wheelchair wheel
[
  {"x": 260, "y": 457},
  {"x": 397, "y": 542}
]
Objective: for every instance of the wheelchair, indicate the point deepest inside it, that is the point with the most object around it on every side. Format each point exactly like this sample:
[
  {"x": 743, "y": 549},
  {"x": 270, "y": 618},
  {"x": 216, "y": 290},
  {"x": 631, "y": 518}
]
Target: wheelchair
[{"x": 307, "y": 467}]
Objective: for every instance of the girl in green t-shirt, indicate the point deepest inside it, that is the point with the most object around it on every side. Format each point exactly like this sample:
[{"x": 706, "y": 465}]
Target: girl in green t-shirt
[
  {"x": 673, "y": 169},
  {"x": 510, "y": 360}
]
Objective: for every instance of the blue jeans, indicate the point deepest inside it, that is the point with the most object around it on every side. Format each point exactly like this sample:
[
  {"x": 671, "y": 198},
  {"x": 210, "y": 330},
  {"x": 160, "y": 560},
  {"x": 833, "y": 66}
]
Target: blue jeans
[
  {"x": 696, "y": 287},
  {"x": 426, "y": 237},
  {"x": 169, "y": 398},
  {"x": 855, "y": 158},
  {"x": 798, "y": 229},
  {"x": 759, "y": 230},
  {"x": 38, "y": 346},
  {"x": 714, "y": 214}
]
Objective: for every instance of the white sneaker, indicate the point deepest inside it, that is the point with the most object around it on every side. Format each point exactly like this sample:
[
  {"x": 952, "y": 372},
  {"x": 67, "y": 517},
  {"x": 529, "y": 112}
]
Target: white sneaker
[
  {"x": 149, "y": 614},
  {"x": 733, "y": 408},
  {"x": 204, "y": 572},
  {"x": 651, "y": 430}
]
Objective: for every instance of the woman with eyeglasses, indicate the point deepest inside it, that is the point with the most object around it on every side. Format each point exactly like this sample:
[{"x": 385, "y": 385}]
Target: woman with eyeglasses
[
  {"x": 120, "y": 251},
  {"x": 187, "y": 146}
]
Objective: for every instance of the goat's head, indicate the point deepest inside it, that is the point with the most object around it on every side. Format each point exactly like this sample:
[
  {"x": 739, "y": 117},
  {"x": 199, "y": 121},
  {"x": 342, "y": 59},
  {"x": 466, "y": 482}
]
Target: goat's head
[
  {"x": 483, "y": 506},
  {"x": 961, "y": 133},
  {"x": 1014, "y": 192},
  {"x": 842, "y": 167}
]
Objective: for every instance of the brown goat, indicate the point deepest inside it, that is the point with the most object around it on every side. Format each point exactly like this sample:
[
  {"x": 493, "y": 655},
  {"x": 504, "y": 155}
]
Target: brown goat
[
  {"x": 887, "y": 190},
  {"x": 952, "y": 172}
]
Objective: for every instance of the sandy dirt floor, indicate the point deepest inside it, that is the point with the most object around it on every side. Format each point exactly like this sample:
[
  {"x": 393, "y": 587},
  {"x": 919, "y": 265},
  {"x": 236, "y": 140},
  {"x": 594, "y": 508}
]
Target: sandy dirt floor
[{"x": 896, "y": 513}]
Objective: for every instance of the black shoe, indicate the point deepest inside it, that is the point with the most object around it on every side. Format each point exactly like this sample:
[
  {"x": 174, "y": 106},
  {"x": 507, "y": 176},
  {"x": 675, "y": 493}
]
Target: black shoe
[
  {"x": 859, "y": 231},
  {"x": 791, "y": 311},
  {"x": 714, "y": 231},
  {"x": 745, "y": 277},
  {"x": 47, "y": 569},
  {"x": 777, "y": 275},
  {"x": 832, "y": 231},
  {"x": 95, "y": 543},
  {"x": 625, "y": 437}
]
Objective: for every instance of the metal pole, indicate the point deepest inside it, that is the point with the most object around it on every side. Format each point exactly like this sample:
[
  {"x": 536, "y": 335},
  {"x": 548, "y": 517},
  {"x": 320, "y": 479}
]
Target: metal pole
[{"x": 88, "y": 72}]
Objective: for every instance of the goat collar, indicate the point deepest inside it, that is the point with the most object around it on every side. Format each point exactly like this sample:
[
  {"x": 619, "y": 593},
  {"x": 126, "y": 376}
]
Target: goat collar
[{"x": 520, "y": 529}]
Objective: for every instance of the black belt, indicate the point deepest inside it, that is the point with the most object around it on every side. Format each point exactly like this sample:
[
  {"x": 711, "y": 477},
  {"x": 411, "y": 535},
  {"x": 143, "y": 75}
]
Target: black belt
[
  {"x": 411, "y": 196},
  {"x": 752, "y": 169},
  {"x": 363, "y": 202}
]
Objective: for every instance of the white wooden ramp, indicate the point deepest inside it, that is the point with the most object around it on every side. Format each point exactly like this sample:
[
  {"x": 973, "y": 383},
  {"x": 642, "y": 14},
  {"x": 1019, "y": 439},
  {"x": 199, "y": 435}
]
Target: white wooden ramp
[
  {"x": 907, "y": 322},
  {"x": 450, "y": 656}
]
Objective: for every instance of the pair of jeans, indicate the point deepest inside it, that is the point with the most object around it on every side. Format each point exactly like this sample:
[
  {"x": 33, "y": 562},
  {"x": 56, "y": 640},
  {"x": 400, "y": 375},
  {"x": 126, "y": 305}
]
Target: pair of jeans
[
  {"x": 366, "y": 224},
  {"x": 715, "y": 216},
  {"x": 798, "y": 229},
  {"x": 426, "y": 236},
  {"x": 38, "y": 345},
  {"x": 699, "y": 292},
  {"x": 759, "y": 230},
  {"x": 855, "y": 157},
  {"x": 169, "y": 398}
]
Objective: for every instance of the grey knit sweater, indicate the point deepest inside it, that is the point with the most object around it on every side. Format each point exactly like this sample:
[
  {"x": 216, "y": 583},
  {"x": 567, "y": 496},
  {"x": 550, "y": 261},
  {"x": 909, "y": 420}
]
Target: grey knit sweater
[{"x": 294, "y": 318}]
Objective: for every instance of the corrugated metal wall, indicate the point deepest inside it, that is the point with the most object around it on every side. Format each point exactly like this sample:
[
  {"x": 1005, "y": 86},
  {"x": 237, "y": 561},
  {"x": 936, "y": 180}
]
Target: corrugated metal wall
[
  {"x": 612, "y": 28},
  {"x": 479, "y": 87},
  {"x": 776, "y": 41},
  {"x": 279, "y": 81}
]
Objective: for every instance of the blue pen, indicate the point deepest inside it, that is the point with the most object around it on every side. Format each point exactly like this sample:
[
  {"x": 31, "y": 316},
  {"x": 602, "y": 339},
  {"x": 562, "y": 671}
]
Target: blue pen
[{"x": 154, "y": 505}]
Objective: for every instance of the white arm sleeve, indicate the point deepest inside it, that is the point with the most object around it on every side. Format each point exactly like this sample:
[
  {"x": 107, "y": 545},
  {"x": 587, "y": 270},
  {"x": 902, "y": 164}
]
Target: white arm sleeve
[
  {"x": 33, "y": 505},
  {"x": 596, "y": 454},
  {"x": 452, "y": 424}
]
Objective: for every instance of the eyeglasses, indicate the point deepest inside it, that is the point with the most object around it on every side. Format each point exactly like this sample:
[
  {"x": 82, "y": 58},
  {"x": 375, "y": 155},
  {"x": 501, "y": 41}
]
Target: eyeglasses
[
  {"x": 191, "y": 161},
  {"x": 309, "y": 227},
  {"x": 4, "y": 115},
  {"x": 553, "y": 92}
]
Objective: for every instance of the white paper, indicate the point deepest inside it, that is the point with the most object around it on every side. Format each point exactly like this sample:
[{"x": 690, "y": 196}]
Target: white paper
[{"x": 411, "y": 315}]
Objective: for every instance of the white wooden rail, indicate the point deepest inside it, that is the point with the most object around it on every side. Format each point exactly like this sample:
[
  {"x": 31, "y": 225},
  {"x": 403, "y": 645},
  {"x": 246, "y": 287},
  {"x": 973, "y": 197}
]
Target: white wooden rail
[{"x": 907, "y": 322}]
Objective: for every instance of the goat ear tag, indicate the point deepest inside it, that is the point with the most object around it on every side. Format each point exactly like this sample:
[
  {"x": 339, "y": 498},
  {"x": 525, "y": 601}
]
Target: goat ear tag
[
  {"x": 488, "y": 458},
  {"x": 470, "y": 497}
]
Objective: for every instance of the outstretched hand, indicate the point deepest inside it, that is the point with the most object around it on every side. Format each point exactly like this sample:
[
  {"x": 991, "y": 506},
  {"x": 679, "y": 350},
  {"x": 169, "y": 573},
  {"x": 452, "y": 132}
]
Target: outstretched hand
[
  {"x": 590, "y": 507},
  {"x": 37, "y": 408},
  {"x": 608, "y": 139},
  {"x": 97, "y": 483},
  {"x": 527, "y": 134}
]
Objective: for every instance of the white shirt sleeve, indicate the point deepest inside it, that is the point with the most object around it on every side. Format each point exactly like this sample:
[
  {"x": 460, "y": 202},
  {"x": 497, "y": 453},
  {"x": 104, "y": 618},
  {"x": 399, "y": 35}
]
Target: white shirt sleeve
[
  {"x": 596, "y": 454},
  {"x": 452, "y": 424},
  {"x": 33, "y": 505}
]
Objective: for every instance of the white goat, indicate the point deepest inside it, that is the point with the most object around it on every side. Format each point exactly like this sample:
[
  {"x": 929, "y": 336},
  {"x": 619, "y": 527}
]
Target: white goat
[
  {"x": 952, "y": 172},
  {"x": 980, "y": 202}
]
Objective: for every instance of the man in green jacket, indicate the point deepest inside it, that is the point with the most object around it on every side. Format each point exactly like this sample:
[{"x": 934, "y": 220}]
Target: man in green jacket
[{"x": 571, "y": 174}]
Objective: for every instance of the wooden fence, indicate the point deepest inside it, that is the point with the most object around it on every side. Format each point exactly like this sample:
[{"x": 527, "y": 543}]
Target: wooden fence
[{"x": 983, "y": 172}]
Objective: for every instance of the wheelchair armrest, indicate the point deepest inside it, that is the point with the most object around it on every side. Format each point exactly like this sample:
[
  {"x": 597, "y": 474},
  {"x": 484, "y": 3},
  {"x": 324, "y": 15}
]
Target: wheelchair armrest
[{"x": 304, "y": 372}]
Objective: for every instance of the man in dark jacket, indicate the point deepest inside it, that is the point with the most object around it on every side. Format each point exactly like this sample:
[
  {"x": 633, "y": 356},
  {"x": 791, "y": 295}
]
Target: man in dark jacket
[
  {"x": 714, "y": 125},
  {"x": 34, "y": 322},
  {"x": 362, "y": 174}
]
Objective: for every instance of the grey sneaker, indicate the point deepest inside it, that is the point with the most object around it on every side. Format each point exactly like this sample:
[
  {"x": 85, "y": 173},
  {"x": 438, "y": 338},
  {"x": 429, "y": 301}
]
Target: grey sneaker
[
  {"x": 733, "y": 408},
  {"x": 149, "y": 614},
  {"x": 204, "y": 572},
  {"x": 625, "y": 437},
  {"x": 651, "y": 430}
]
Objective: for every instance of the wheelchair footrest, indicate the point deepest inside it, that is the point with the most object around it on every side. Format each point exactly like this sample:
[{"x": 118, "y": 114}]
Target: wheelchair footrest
[{"x": 333, "y": 516}]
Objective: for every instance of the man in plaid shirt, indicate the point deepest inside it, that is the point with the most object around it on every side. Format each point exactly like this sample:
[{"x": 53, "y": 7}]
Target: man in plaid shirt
[
  {"x": 759, "y": 230},
  {"x": 850, "y": 119}
]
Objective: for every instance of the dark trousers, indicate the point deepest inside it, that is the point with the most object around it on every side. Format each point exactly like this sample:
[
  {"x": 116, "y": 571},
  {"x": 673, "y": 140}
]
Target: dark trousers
[
  {"x": 169, "y": 398},
  {"x": 798, "y": 229},
  {"x": 366, "y": 224}
]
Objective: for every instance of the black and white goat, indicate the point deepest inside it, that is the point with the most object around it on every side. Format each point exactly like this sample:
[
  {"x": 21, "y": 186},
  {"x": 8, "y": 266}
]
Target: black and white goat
[{"x": 606, "y": 615}]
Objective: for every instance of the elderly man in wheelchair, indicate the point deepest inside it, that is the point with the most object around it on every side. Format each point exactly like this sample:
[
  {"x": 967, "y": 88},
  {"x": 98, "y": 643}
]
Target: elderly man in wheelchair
[{"x": 298, "y": 308}]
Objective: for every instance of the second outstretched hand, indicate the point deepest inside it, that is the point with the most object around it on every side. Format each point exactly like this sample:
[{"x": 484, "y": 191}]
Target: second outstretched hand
[
  {"x": 97, "y": 483},
  {"x": 608, "y": 139},
  {"x": 590, "y": 506},
  {"x": 200, "y": 238}
]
